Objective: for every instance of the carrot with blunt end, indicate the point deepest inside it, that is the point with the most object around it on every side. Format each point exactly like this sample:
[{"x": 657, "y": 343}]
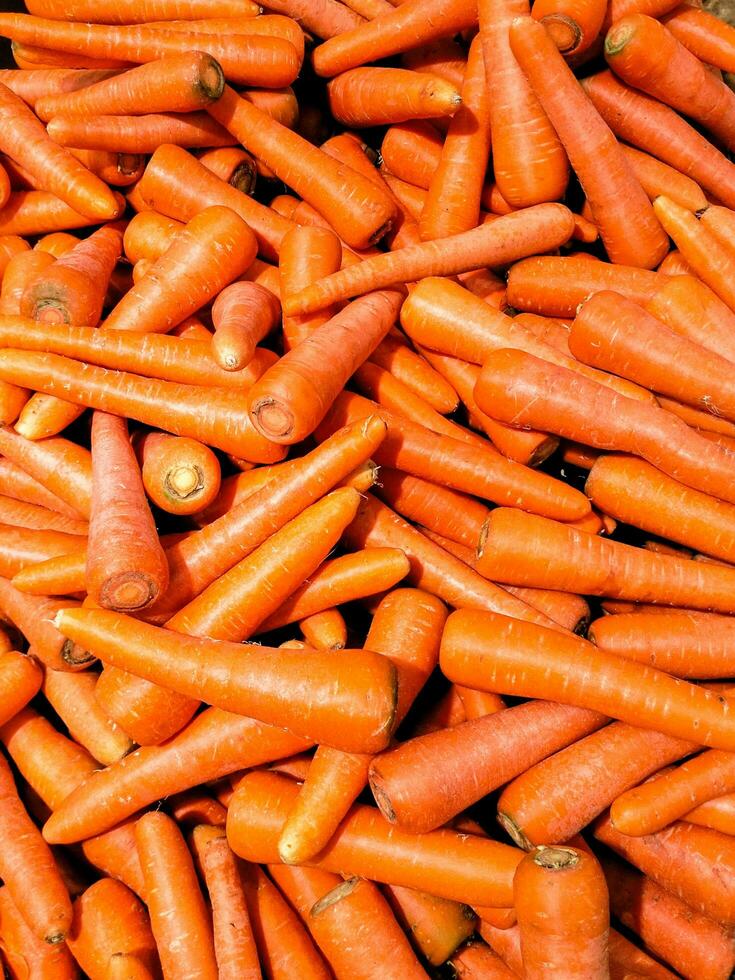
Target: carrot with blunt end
[
  {"x": 180, "y": 920},
  {"x": 556, "y": 798},
  {"x": 243, "y": 314},
  {"x": 406, "y": 629},
  {"x": 148, "y": 713},
  {"x": 379, "y": 96},
  {"x": 510, "y": 237},
  {"x": 523, "y": 390},
  {"x": 181, "y": 476},
  {"x": 307, "y": 254},
  {"x": 419, "y": 786},
  {"x": 19, "y": 273},
  {"x": 453, "y": 202},
  {"x": 366, "y": 845},
  {"x": 28, "y": 868},
  {"x": 563, "y": 914},
  {"x": 350, "y": 921},
  {"x": 705, "y": 35},
  {"x": 477, "y": 961},
  {"x": 529, "y": 161},
  {"x": 20, "y": 681},
  {"x": 10, "y": 245},
  {"x": 33, "y": 616},
  {"x": 138, "y": 134},
  {"x": 185, "y": 277},
  {"x": 234, "y": 944},
  {"x": 25, "y": 140},
  {"x": 61, "y": 466},
  {"x": 128, "y": 966},
  {"x": 177, "y": 83},
  {"x": 617, "y": 200},
  {"x": 325, "y": 630},
  {"x": 357, "y": 209},
  {"x": 26, "y": 955},
  {"x": 148, "y": 235},
  {"x": 293, "y": 396},
  {"x": 436, "y": 926},
  {"x": 574, "y": 26},
  {"x": 414, "y": 23}
]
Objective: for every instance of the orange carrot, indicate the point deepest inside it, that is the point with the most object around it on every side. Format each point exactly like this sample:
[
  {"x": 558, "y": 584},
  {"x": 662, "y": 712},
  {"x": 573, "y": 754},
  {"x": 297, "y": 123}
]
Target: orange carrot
[
  {"x": 232, "y": 165},
  {"x": 39, "y": 212},
  {"x": 706, "y": 36},
  {"x": 307, "y": 254},
  {"x": 325, "y": 630},
  {"x": 61, "y": 466},
  {"x": 138, "y": 134},
  {"x": 380, "y": 96},
  {"x": 659, "y": 178},
  {"x": 477, "y": 961},
  {"x": 20, "y": 681},
  {"x": 148, "y": 235},
  {"x": 324, "y": 18},
  {"x": 180, "y": 476},
  {"x": 33, "y": 85},
  {"x": 33, "y": 56},
  {"x": 193, "y": 807},
  {"x": 10, "y": 245},
  {"x": 33, "y": 616},
  {"x": 24, "y": 954},
  {"x": 18, "y": 513},
  {"x": 691, "y": 309},
  {"x": 130, "y": 12},
  {"x": 443, "y": 57},
  {"x": 19, "y": 273},
  {"x": 243, "y": 314},
  {"x": 148, "y": 713},
  {"x": 573, "y": 26},
  {"x": 394, "y": 355},
  {"x": 21, "y": 548},
  {"x": 436, "y": 926},
  {"x": 72, "y": 696}
]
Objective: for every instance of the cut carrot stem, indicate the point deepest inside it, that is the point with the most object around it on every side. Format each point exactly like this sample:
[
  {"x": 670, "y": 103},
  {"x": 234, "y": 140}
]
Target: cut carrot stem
[
  {"x": 242, "y": 315},
  {"x": 33, "y": 616},
  {"x": 325, "y": 630},
  {"x": 574, "y": 26},
  {"x": 181, "y": 476}
]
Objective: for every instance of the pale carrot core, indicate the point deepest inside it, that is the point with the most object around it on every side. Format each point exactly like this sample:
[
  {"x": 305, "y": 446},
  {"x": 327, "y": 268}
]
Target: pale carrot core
[
  {"x": 49, "y": 313},
  {"x": 272, "y": 419},
  {"x": 128, "y": 590},
  {"x": 184, "y": 480}
]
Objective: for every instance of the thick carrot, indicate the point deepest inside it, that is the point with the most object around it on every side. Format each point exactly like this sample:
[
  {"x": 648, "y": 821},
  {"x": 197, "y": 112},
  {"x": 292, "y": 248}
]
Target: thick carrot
[
  {"x": 148, "y": 235},
  {"x": 33, "y": 85},
  {"x": 574, "y": 26},
  {"x": 146, "y": 712},
  {"x": 379, "y": 96},
  {"x": 61, "y": 466},
  {"x": 416, "y": 22},
  {"x": 181, "y": 476},
  {"x": 659, "y": 178},
  {"x": 556, "y": 798},
  {"x": 443, "y": 57},
  {"x": 563, "y": 914},
  {"x": 33, "y": 617},
  {"x": 716, "y": 814},
  {"x": 10, "y": 245},
  {"x": 233, "y": 165},
  {"x": 72, "y": 696},
  {"x": 242, "y": 314},
  {"x": 645, "y": 55},
  {"x": 307, "y": 254},
  {"x": 617, "y": 200},
  {"x": 585, "y": 411},
  {"x": 325, "y": 630},
  {"x": 24, "y": 954},
  {"x": 529, "y": 161},
  {"x": 28, "y": 868},
  {"x": 651, "y": 126},
  {"x": 706, "y": 36},
  {"x": 322, "y": 18},
  {"x": 18, "y": 513},
  {"x": 138, "y": 134},
  {"x": 21, "y": 270},
  {"x": 412, "y": 152},
  {"x": 419, "y": 786},
  {"x": 510, "y": 237},
  {"x": 361, "y": 215},
  {"x": 20, "y": 681}
]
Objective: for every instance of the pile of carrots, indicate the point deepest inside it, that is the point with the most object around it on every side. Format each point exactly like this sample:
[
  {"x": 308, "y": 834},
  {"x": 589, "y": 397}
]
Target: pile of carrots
[{"x": 367, "y": 490}]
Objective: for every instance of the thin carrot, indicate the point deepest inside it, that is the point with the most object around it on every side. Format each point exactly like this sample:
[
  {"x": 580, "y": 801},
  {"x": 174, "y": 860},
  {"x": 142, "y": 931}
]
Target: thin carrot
[
  {"x": 510, "y": 237},
  {"x": 18, "y": 513},
  {"x": 659, "y": 178},
  {"x": 651, "y": 126},
  {"x": 556, "y": 798},
  {"x": 563, "y": 914},
  {"x": 706, "y": 36},
  {"x": 416, "y": 373},
  {"x": 33, "y": 56},
  {"x": 325, "y": 630},
  {"x": 148, "y": 713},
  {"x": 20, "y": 681},
  {"x": 138, "y": 134},
  {"x": 574, "y": 26},
  {"x": 323, "y": 18},
  {"x": 180, "y": 476},
  {"x": 24, "y": 953},
  {"x": 21, "y": 548},
  {"x": 39, "y": 212},
  {"x": 33, "y": 85},
  {"x": 132, "y": 12},
  {"x": 617, "y": 200},
  {"x": 242, "y": 314},
  {"x": 33, "y": 616},
  {"x": 233, "y": 165},
  {"x": 307, "y": 254},
  {"x": 380, "y": 96},
  {"x": 663, "y": 440}
]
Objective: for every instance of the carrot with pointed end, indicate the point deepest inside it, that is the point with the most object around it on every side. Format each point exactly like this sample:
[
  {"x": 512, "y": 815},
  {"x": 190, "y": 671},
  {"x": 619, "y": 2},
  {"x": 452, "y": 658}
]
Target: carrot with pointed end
[
  {"x": 40, "y": 212},
  {"x": 690, "y": 308},
  {"x": 243, "y": 314},
  {"x": 18, "y": 513},
  {"x": 574, "y": 26},
  {"x": 138, "y": 134},
  {"x": 33, "y": 616},
  {"x": 416, "y": 373},
  {"x": 307, "y": 254},
  {"x": 617, "y": 200},
  {"x": 61, "y": 466},
  {"x": 22, "y": 548},
  {"x": 659, "y": 178},
  {"x": 379, "y": 96},
  {"x": 20, "y": 681},
  {"x": 178, "y": 83},
  {"x": 563, "y": 914},
  {"x": 24, "y": 953},
  {"x": 72, "y": 696},
  {"x": 181, "y": 476}
]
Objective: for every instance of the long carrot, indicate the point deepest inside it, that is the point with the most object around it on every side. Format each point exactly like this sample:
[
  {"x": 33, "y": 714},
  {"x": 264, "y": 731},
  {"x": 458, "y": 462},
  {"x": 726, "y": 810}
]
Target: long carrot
[
  {"x": 379, "y": 96},
  {"x": 484, "y": 650},
  {"x": 609, "y": 419},
  {"x": 133, "y": 12},
  {"x": 659, "y": 178},
  {"x": 394, "y": 355},
  {"x": 510, "y": 237},
  {"x": 563, "y": 914},
  {"x": 32, "y": 615},
  {"x": 180, "y": 476},
  {"x": 307, "y": 254},
  {"x": 242, "y": 315},
  {"x": 529, "y": 161},
  {"x": 18, "y": 513},
  {"x": 706, "y": 36},
  {"x": 148, "y": 713},
  {"x": 690, "y": 308},
  {"x": 24, "y": 953},
  {"x": 360, "y": 217},
  {"x": 138, "y": 134},
  {"x": 20, "y": 681},
  {"x": 269, "y": 25},
  {"x": 617, "y": 200},
  {"x": 33, "y": 85},
  {"x": 215, "y": 744},
  {"x": 33, "y": 56},
  {"x": 61, "y": 466},
  {"x": 39, "y": 212}
]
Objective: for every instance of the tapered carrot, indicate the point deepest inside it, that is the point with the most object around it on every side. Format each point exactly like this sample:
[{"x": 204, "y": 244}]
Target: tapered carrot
[
  {"x": 28, "y": 868},
  {"x": 556, "y": 798},
  {"x": 33, "y": 56},
  {"x": 716, "y": 814},
  {"x": 416, "y": 373},
  {"x": 20, "y": 681},
  {"x": 18, "y": 513},
  {"x": 659, "y": 178},
  {"x": 138, "y": 134},
  {"x": 234, "y": 944},
  {"x": 180, "y": 476},
  {"x": 651, "y": 126},
  {"x": 380, "y": 96},
  {"x": 148, "y": 713},
  {"x": 33, "y": 616},
  {"x": 21, "y": 548},
  {"x": 510, "y": 237},
  {"x": 477, "y": 961},
  {"x": 645, "y": 55},
  {"x": 694, "y": 863},
  {"x": 180, "y": 920},
  {"x": 415, "y": 23},
  {"x": 39, "y": 212},
  {"x": 663, "y": 440},
  {"x": 72, "y": 696},
  {"x": 419, "y": 786},
  {"x": 615, "y": 195},
  {"x": 307, "y": 254},
  {"x": 706, "y": 36},
  {"x": 361, "y": 217},
  {"x": 325, "y": 630},
  {"x": 563, "y": 914},
  {"x": 33, "y": 85},
  {"x": 130, "y": 12},
  {"x": 60, "y": 466},
  {"x": 24, "y": 953},
  {"x": 350, "y": 921},
  {"x": 573, "y": 26},
  {"x": 242, "y": 314}
]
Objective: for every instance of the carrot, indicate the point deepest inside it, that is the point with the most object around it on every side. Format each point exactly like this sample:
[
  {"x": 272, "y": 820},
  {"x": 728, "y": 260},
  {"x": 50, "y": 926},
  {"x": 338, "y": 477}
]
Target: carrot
[
  {"x": 132, "y": 12},
  {"x": 412, "y": 152},
  {"x": 394, "y": 355},
  {"x": 147, "y": 713},
  {"x": 242, "y": 314},
  {"x": 33, "y": 615},
  {"x": 127, "y": 966},
  {"x": 335, "y": 680},
  {"x": 477, "y": 961},
  {"x": 307, "y": 254},
  {"x": 417, "y": 22},
  {"x": 659, "y": 178},
  {"x": 574, "y": 27},
  {"x": 556, "y": 798},
  {"x": 350, "y": 921},
  {"x": 529, "y": 161},
  {"x": 138, "y": 134},
  {"x": 380, "y": 96},
  {"x": 180, "y": 920},
  {"x": 39, "y": 212},
  {"x": 615, "y": 196},
  {"x": 435, "y": 925},
  {"x": 443, "y": 57},
  {"x": 28, "y": 868},
  {"x": 180, "y": 476},
  {"x": 635, "y": 492},
  {"x": 419, "y": 795},
  {"x": 360, "y": 218},
  {"x": 148, "y": 235},
  {"x": 62, "y": 467},
  {"x": 691, "y": 942},
  {"x": 657, "y": 129},
  {"x": 563, "y": 914},
  {"x": 510, "y": 237},
  {"x": 693, "y": 863},
  {"x": 719, "y": 221},
  {"x": 33, "y": 85},
  {"x": 716, "y": 814},
  {"x": 663, "y": 440},
  {"x": 324, "y": 18},
  {"x": 453, "y": 202},
  {"x": 10, "y": 245},
  {"x": 245, "y": 60},
  {"x": 693, "y": 713},
  {"x": 33, "y": 56},
  {"x": 269, "y": 25},
  {"x": 645, "y": 55},
  {"x": 20, "y": 681},
  {"x": 675, "y": 265},
  {"x": 20, "y": 271},
  {"x": 706, "y": 36},
  {"x": 18, "y": 513},
  {"x": 232, "y": 165},
  {"x": 24, "y": 954}
]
